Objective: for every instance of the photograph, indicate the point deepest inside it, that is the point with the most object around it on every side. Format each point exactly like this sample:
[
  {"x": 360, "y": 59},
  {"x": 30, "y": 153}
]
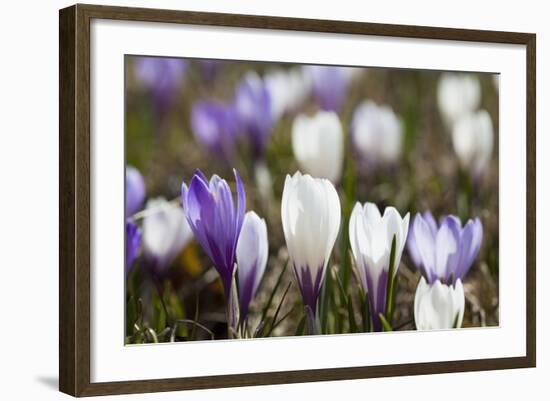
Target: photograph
[{"x": 267, "y": 199}]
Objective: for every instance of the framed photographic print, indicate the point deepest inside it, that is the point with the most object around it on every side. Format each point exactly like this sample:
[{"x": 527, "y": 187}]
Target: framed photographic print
[{"x": 250, "y": 200}]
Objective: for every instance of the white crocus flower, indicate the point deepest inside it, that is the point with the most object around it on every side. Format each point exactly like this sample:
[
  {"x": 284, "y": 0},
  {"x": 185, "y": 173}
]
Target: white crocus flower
[
  {"x": 438, "y": 306},
  {"x": 473, "y": 141},
  {"x": 318, "y": 144},
  {"x": 377, "y": 133},
  {"x": 252, "y": 251},
  {"x": 165, "y": 232},
  {"x": 310, "y": 214},
  {"x": 371, "y": 235},
  {"x": 457, "y": 94}
]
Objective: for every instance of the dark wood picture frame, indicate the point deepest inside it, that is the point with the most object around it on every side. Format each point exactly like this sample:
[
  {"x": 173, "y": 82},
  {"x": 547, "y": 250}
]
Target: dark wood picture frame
[{"x": 74, "y": 199}]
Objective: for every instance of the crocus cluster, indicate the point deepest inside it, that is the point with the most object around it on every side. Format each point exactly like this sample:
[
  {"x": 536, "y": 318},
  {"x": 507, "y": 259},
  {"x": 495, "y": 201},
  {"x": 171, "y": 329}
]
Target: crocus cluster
[
  {"x": 227, "y": 235},
  {"x": 163, "y": 232},
  {"x": 443, "y": 254},
  {"x": 217, "y": 124}
]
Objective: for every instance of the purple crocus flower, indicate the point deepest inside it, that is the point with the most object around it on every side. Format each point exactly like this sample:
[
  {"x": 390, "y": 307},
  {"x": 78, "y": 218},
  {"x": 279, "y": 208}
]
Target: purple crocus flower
[
  {"x": 133, "y": 241},
  {"x": 329, "y": 85},
  {"x": 215, "y": 220},
  {"x": 215, "y": 125},
  {"x": 253, "y": 108},
  {"x": 445, "y": 252},
  {"x": 135, "y": 190},
  {"x": 162, "y": 76}
]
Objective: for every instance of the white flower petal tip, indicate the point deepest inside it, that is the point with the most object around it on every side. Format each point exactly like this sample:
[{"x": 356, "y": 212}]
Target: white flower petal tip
[{"x": 438, "y": 306}]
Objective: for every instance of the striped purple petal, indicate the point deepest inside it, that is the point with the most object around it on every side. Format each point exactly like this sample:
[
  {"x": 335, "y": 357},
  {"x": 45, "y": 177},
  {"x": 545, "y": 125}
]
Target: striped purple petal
[
  {"x": 216, "y": 222},
  {"x": 445, "y": 252}
]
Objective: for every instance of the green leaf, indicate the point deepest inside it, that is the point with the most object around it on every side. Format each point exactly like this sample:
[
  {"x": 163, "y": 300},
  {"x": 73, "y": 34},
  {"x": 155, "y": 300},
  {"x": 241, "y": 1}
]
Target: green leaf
[
  {"x": 365, "y": 312},
  {"x": 385, "y": 324},
  {"x": 270, "y": 300},
  {"x": 391, "y": 280},
  {"x": 300, "y": 328},
  {"x": 324, "y": 303},
  {"x": 351, "y": 318},
  {"x": 455, "y": 323},
  {"x": 278, "y": 310}
]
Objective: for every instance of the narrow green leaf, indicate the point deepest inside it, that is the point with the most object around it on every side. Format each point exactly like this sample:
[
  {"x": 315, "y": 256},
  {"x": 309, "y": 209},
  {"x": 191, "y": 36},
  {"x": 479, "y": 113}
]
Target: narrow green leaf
[
  {"x": 300, "y": 328},
  {"x": 324, "y": 302},
  {"x": 351, "y": 318},
  {"x": 270, "y": 300},
  {"x": 365, "y": 312},
  {"x": 385, "y": 324},
  {"x": 272, "y": 326},
  {"x": 455, "y": 323},
  {"x": 391, "y": 279},
  {"x": 283, "y": 318}
]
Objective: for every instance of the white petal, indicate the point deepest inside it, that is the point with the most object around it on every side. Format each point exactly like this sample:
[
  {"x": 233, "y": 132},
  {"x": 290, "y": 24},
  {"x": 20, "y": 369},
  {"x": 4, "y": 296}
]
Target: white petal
[
  {"x": 310, "y": 213},
  {"x": 252, "y": 248},
  {"x": 437, "y": 306}
]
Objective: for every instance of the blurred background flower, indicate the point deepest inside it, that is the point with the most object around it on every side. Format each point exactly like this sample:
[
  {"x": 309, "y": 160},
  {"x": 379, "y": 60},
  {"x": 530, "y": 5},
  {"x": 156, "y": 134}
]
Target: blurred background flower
[
  {"x": 162, "y": 76},
  {"x": 288, "y": 89},
  {"x": 318, "y": 144},
  {"x": 133, "y": 241},
  {"x": 215, "y": 126},
  {"x": 165, "y": 233},
  {"x": 473, "y": 141},
  {"x": 135, "y": 190},
  {"x": 377, "y": 133},
  {"x": 329, "y": 85},
  {"x": 458, "y": 94},
  {"x": 253, "y": 109}
]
